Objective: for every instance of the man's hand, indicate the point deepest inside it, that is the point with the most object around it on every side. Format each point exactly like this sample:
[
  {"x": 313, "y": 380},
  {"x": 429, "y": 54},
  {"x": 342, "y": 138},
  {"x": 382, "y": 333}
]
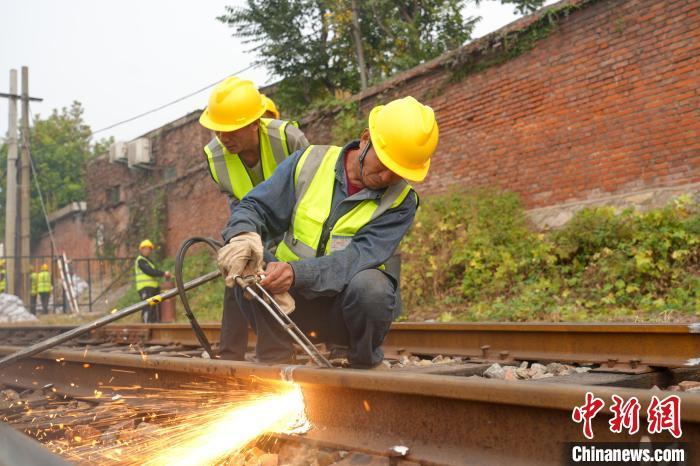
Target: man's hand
[
  {"x": 279, "y": 277},
  {"x": 168, "y": 275},
  {"x": 241, "y": 256}
]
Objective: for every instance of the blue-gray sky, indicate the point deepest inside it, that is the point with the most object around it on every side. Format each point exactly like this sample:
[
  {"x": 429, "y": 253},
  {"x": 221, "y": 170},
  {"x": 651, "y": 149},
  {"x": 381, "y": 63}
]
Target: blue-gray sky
[{"x": 121, "y": 58}]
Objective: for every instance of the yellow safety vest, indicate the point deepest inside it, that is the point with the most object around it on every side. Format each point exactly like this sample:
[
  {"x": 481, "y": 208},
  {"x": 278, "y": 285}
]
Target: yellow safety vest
[
  {"x": 2, "y": 285},
  {"x": 309, "y": 234},
  {"x": 43, "y": 282},
  {"x": 228, "y": 170},
  {"x": 143, "y": 280},
  {"x": 34, "y": 281}
]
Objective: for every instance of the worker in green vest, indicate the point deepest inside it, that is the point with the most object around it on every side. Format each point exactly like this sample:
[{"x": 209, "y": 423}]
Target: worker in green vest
[
  {"x": 245, "y": 150},
  {"x": 33, "y": 290},
  {"x": 44, "y": 287},
  {"x": 3, "y": 276},
  {"x": 343, "y": 212},
  {"x": 146, "y": 275}
]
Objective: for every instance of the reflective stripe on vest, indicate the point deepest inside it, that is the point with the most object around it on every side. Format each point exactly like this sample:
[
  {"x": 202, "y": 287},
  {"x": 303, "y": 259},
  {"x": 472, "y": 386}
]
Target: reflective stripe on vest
[
  {"x": 43, "y": 282},
  {"x": 228, "y": 169},
  {"x": 143, "y": 280},
  {"x": 33, "y": 279},
  {"x": 314, "y": 181}
]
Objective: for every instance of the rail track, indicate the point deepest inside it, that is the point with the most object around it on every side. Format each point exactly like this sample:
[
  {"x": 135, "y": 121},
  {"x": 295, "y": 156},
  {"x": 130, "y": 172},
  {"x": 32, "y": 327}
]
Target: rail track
[{"x": 445, "y": 413}]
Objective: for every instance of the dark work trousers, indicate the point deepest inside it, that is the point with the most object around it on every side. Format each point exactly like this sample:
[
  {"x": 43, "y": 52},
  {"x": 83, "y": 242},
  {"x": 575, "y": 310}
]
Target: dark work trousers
[
  {"x": 32, "y": 304},
  {"x": 234, "y": 329},
  {"x": 358, "y": 317},
  {"x": 150, "y": 314},
  {"x": 45, "y": 301}
]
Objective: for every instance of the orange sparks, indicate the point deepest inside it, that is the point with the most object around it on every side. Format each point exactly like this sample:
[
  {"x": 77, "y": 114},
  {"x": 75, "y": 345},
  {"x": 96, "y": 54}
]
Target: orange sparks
[
  {"x": 365, "y": 404},
  {"x": 227, "y": 429},
  {"x": 211, "y": 422}
]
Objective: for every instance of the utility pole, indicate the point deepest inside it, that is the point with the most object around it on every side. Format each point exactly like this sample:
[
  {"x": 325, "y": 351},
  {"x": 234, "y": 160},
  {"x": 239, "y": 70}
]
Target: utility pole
[
  {"x": 11, "y": 193},
  {"x": 25, "y": 177},
  {"x": 17, "y": 226}
]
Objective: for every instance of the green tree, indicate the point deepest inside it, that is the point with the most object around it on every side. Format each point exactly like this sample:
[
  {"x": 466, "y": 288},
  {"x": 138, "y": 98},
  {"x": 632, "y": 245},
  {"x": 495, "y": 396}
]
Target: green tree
[
  {"x": 59, "y": 145},
  {"x": 316, "y": 46}
]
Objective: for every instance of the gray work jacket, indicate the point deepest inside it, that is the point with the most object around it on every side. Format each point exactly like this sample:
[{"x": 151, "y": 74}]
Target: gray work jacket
[{"x": 267, "y": 210}]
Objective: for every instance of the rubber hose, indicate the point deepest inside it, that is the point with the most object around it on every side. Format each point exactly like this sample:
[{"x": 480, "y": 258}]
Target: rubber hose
[{"x": 179, "y": 283}]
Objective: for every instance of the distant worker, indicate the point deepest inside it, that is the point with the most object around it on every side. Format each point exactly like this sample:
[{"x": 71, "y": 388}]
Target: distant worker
[
  {"x": 147, "y": 286},
  {"x": 44, "y": 287},
  {"x": 343, "y": 212},
  {"x": 34, "y": 289},
  {"x": 270, "y": 109},
  {"x": 245, "y": 150},
  {"x": 3, "y": 279}
]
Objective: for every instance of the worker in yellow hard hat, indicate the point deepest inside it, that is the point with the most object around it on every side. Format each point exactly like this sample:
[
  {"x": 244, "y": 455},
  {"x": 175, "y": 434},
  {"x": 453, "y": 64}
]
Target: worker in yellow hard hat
[
  {"x": 44, "y": 287},
  {"x": 245, "y": 150},
  {"x": 146, "y": 276},
  {"x": 270, "y": 109},
  {"x": 344, "y": 211}
]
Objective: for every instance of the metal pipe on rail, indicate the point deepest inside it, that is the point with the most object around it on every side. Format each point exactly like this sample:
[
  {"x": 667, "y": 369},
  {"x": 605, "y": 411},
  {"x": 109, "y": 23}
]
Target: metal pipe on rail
[{"x": 83, "y": 329}]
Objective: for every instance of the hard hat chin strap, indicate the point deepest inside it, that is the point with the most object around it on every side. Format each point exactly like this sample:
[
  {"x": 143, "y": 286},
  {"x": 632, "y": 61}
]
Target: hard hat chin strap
[{"x": 363, "y": 154}]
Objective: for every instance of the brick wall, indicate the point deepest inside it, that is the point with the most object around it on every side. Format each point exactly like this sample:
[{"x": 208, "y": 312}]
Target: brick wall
[
  {"x": 179, "y": 185},
  {"x": 607, "y": 103},
  {"x": 71, "y": 236}
]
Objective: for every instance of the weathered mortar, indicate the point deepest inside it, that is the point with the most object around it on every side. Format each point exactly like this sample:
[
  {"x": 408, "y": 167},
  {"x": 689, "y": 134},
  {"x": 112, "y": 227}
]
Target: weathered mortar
[{"x": 605, "y": 107}]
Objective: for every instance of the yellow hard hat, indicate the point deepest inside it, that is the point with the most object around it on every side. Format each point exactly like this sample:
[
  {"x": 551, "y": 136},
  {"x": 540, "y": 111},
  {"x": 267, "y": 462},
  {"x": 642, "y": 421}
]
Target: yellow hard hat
[
  {"x": 404, "y": 135},
  {"x": 44, "y": 267},
  {"x": 146, "y": 244},
  {"x": 233, "y": 104},
  {"x": 271, "y": 107}
]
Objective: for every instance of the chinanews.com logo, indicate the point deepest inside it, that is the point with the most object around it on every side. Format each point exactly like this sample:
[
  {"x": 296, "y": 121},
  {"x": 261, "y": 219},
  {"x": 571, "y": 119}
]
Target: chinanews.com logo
[{"x": 663, "y": 415}]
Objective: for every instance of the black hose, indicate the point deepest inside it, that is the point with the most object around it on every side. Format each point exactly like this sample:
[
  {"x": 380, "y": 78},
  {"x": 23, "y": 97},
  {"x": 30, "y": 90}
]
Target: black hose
[{"x": 179, "y": 262}]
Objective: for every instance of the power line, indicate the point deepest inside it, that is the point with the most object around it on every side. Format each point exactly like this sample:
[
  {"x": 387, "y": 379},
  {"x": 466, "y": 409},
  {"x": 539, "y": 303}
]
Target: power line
[{"x": 148, "y": 112}]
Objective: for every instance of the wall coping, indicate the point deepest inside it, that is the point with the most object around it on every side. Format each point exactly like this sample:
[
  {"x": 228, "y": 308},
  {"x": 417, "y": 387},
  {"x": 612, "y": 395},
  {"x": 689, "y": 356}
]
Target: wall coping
[
  {"x": 65, "y": 211},
  {"x": 489, "y": 41}
]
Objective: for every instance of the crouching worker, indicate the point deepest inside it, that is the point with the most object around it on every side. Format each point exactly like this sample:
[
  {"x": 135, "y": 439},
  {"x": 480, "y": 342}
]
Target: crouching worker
[
  {"x": 147, "y": 286},
  {"x": 343, "y": 212}
]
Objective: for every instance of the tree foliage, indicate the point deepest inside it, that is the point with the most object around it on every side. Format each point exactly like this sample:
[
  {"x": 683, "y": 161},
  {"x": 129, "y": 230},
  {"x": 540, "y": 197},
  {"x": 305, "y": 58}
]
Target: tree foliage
[
  {"x": 309, "y": 43},
  {"x": 59, "y": 146}
]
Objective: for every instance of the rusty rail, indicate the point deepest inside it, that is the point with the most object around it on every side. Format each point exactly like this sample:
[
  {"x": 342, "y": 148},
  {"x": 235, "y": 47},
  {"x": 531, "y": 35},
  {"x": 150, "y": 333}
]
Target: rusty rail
[
  {"x": 444, "y": 420},
  {"x": 615, "y": 345}
]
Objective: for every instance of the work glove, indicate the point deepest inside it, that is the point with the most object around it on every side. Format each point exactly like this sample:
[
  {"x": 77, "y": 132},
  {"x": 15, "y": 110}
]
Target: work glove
[
  {"x": 285, "y": 302},
  {"x": 241, "y": 256}
]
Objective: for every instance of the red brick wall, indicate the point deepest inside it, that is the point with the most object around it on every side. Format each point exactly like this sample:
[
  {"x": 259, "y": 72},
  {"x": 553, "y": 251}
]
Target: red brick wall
[
  {"x": 70, "y": 236},
  {"x": 608, "y": 102},
  {"x": 193, "y": 204}
]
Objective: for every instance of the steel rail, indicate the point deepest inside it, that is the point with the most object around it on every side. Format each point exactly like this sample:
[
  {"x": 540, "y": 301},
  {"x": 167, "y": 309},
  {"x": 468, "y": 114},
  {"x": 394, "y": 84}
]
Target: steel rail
[
  {"x": 87, "y": 328},
  {"x": 662, "y": 345},
  {"x": 445, "y": 420}
]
